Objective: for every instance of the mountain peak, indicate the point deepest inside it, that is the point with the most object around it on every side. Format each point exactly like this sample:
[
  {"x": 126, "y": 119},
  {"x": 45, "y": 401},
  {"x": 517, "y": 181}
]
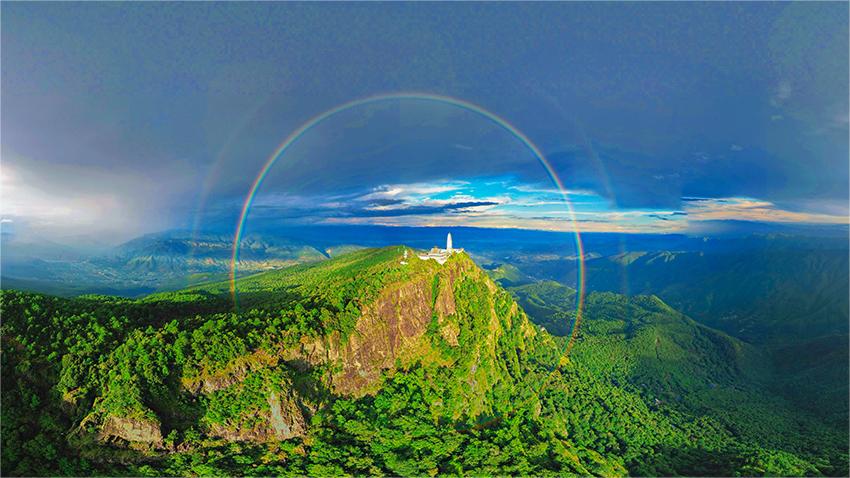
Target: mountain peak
[{"x": 305, "y": 335}]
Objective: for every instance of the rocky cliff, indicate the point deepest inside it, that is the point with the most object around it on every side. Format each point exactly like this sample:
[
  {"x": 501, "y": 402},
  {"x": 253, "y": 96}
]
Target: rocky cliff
[{"x": 450, "y": 316}]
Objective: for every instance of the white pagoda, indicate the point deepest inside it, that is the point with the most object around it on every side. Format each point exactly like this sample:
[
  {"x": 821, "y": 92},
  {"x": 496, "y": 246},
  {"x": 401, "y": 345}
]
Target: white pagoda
[{"x": 441, "y": 255}]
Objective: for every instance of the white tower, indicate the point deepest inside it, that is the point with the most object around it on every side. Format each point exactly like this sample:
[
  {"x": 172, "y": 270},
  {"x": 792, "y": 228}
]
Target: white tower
[{"x": 449, "y": 242}]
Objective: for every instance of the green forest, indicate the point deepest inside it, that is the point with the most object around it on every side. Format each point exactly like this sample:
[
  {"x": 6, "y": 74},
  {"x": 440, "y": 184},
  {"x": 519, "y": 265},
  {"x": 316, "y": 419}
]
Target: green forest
[{"x": 372, "y": 364}]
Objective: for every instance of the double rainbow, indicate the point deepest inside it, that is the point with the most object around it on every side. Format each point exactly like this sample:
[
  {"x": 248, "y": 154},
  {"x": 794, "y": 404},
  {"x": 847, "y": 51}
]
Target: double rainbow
[{"x": 499, "y": 121}]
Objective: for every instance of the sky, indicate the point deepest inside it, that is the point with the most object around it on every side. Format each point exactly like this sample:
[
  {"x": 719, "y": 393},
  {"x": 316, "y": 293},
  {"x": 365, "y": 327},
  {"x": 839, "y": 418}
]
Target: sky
[{"x": 121, "y": 119}]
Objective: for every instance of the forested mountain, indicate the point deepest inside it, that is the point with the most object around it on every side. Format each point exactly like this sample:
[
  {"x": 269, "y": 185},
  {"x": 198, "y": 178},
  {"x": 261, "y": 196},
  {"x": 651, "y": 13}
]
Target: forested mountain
[
  {"x": 811, "y": 374},
  {"x": 761, "y": 295},
  {"x": 789, "y": 298},
  {"x": 153, "y": 262},
  {"x": 372, "y": 364}
]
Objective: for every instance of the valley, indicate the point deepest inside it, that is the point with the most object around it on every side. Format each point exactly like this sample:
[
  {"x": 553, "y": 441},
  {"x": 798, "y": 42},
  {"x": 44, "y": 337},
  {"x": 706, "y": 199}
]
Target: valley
[{"x": 360, "y": 364}]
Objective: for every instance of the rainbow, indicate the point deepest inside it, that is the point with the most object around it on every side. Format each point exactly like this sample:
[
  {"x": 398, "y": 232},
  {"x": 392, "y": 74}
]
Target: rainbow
[{"x": 499, "y": 121}]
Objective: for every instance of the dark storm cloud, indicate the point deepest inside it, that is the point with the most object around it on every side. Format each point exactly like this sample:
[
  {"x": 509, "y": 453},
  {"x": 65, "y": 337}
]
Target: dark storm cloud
[
  {"x": 668, "y": 216},
  {"x": 176, "y": 106}
]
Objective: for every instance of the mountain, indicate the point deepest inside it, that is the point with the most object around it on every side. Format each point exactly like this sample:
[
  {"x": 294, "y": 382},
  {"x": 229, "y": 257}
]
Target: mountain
[
  {"x": 172, "y": 260},
  {"x": 811, "y": 373},
  {"x": 789, "y": 297},
  {"x": 763, "y": 289},
  {"x": 550, "y": 305},
  {"x": 785, "y": 294},
  {"x": 370, "y": 363},
  {"x": 154, "y": 262},
  {"x": 506, "y": 274},
  {"x": 763, "y": 295}
]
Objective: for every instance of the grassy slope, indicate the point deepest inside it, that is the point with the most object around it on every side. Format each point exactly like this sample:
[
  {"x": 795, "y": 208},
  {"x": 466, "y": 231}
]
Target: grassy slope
[{"x": 549, "y": 303}]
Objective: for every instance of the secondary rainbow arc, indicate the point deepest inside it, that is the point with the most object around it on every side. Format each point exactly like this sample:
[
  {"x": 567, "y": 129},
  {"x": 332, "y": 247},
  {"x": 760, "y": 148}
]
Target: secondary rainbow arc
[{"x": 463, "y": 104}]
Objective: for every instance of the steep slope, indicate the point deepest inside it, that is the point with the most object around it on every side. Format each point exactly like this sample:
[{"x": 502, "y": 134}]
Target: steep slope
[
  {"x": 684, "y": 368},
  {"x": 184, "y": 252},
  {"x": 792, "y": 300},
  {"x": 150, "y": 384},
  {"x": 764, "y": 295},
  {"x": 372, "y": 364},
  {"x": 550, "y": 304}
]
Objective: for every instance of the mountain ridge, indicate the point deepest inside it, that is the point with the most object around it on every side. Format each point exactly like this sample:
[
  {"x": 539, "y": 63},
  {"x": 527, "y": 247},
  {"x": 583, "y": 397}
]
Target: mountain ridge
[{"x": 341, "y": 366}]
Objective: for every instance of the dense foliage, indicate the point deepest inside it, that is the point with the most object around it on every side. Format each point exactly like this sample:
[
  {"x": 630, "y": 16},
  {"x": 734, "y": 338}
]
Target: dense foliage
[{"x": 645, "y": 391}]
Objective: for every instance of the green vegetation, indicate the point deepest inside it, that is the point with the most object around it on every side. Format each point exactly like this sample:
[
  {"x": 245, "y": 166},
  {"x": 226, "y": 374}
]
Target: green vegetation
[
  {"x": 549, "y": 303},
  {"x": 150, "y": 263},
  {"x": 768, "y": 295},
  {"x": 507, "y": 275},
  {"x": 363, "y": 365}
]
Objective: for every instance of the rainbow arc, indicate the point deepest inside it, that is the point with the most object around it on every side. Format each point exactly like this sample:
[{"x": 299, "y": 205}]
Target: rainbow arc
[{"x": 280, "y": 151}]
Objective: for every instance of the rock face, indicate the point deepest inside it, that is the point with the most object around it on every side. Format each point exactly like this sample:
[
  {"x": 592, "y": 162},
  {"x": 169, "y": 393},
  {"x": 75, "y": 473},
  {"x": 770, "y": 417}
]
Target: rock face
[
  {"x": 286, "y": 419},
  {"x": 234, "y": 373},
  {"x": 283, "y": 420},
  {"x": 130, "y": 429},
  {"x": 253, "y": 398},
  {"x": 394, "y": 324},
  {"x": 396, "y": 320},
  {"x": 389, "y": 327}
]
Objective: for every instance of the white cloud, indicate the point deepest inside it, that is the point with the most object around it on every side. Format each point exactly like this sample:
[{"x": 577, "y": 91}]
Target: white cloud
[
  {"x": 395, "y": 191},
  {"x": 781, "y": 93},
  {"x": 748, "y": 209},
  {"x": 503, "y": 221},
  {"x": 528, "y": 188},
  {"x": 525, "y": 206}
]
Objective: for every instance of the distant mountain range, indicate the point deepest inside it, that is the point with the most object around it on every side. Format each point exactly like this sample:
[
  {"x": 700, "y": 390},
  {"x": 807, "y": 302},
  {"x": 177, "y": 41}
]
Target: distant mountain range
[
  {"x": 174, "y": 259},
  {"x": 163, "y": 261}
]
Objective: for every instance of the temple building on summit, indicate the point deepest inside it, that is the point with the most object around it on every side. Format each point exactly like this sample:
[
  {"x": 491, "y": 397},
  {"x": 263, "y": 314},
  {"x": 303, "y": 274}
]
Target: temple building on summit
[{"x": 441, "y": 255}]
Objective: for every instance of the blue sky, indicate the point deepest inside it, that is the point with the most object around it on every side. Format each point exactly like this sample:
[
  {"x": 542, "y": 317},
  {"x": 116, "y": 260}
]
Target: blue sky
[{"x": 120, "y": 119}]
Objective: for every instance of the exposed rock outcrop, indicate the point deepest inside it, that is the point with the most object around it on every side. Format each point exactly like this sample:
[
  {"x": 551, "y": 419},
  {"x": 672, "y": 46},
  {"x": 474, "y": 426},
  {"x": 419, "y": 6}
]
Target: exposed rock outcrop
[
  {"x": 392, "y": 324},
  {"x": 233, "y": 373},
  {"x": 130, "y": 429},
  {"x": 395, "y": 323},
  {"x": 283, "y": 420},
  {"x": 396, "y": 320},
  {"x": 252, "y": 398},
  {"x": 287, "y": 420}
]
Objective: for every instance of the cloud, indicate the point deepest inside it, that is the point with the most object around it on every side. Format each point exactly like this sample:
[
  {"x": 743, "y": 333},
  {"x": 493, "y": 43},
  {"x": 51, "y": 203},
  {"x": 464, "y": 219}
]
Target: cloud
[
  {"x": 748, "y": 209},
  {"x": 781, "y": 93},
  {"x": 406, "y": 190},
  {"x": 668, "y": 216},
  {"x": 571, "y": 192},
  {"x": 418, "y": 210},
  {"x": 481, "y": 202},
  {"x": 223, "y": 100},
  {"x": 57, "y": 200},
  {"x": 542, "y": 223},
  {"x": 508, "y": 203}
]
